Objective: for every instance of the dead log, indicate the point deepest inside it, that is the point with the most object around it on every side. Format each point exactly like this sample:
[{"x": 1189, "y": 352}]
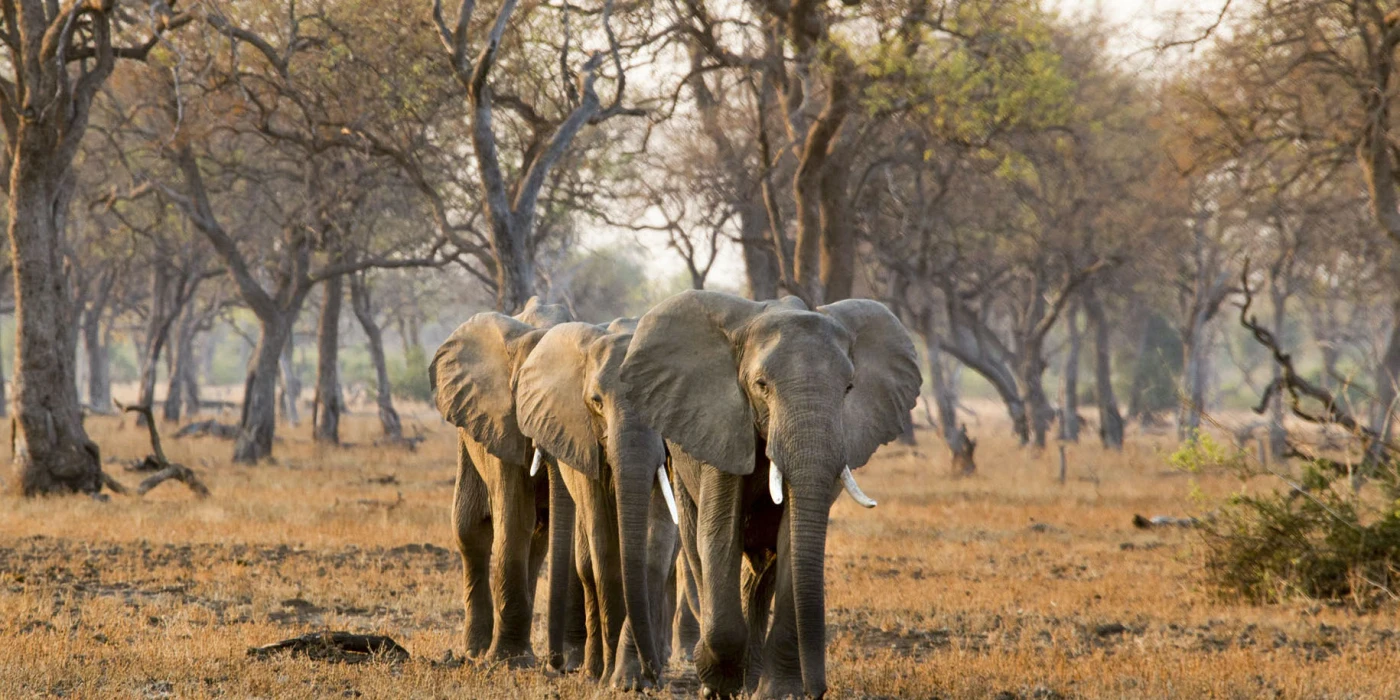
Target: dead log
[
  {"x": 211, "y": 428},
  {"x": 166, "y": 469},
  {"x": 343, "y": 647}
]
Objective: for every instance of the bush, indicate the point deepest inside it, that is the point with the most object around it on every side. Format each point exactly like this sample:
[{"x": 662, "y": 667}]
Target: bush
[
  {"x": 1316, "y": 539},
  {"x": 409, "y": 378}
]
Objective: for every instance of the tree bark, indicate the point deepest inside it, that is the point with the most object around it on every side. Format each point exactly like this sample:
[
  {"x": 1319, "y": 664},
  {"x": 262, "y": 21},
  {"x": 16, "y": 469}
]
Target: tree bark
[
  {"x": 157, "y": 330},
  {"x": 945, "y": 397},
  {"x": 97, "y": 337},
  {"x": 259, "y": 419},
  {"x": 1387, "y": 390},
  {"x": 1069, "y": 403},
  {"x": 760, "y": 263},
  {"x": 329, "y": 402},
  {"x": 52, "y": 451},
  {"x": 360, "y": 301},
  {"x": 1110, "y": 420},
  {"x": 291, "y": 382},
  {"x": 182, "y": 389},
  {"x": 1032, "y": 373}
]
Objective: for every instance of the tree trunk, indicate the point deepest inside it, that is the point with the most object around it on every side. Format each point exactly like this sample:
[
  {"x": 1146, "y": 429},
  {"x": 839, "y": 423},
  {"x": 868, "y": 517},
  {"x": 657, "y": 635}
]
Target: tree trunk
[
  {"x": 1193, "y": 378},
  {"x": 157, "y": 330},
  {"x": 329, "y": 403},
  {"x": 1278, "y": 435},
  {"x": 945, "y": 396},
  {"x": 291, "y": 383},
  {"x": 1033, "y": 397},
  {"x": 4, "y": 401},
  {"x": 1387, "y": 378},
  {"x": 1069, "y": 400},
  {"x": 1110, "y": 420},
  {"x": 760, "y": 263},
  {"x": 360, "y": 301},
  {"x": 838, "y": 254},
  {"x": 52, "y": 452},
  {"x": 179, "y": 389},
  {"x": 96, "y": 339},
  {"x": 259, "y": 419}
]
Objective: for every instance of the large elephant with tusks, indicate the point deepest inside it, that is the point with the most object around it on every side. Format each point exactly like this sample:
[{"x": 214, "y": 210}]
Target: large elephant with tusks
[{"x": 766, "y": 409}]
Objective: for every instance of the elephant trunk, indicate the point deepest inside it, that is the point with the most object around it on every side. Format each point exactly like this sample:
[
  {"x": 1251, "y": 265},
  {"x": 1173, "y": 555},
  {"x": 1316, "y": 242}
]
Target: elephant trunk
[
  {"x": 810, "y": 455},
  {"x": 637, "y": 453}
]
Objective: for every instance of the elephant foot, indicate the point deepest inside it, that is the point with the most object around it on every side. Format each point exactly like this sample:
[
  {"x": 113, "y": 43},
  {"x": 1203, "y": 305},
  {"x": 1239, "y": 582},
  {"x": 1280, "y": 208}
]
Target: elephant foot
[
  {"x": 780, "y": 688},
  {"x": 512, "y": 658},
  {"x": 629, "y": 676},
  {"x": 719, "y": 678}
]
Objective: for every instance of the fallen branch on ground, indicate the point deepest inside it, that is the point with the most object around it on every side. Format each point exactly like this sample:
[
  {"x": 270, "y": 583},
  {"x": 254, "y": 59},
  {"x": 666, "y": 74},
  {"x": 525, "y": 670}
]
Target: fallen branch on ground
[
  {"x": 165, "y": 468},
  {"x": 336, "y": 646}
]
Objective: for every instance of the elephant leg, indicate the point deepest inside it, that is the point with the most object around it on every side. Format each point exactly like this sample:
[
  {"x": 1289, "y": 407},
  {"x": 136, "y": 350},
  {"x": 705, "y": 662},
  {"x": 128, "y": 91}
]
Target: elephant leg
[
  {"x": 607, "y": 576},
  {"x": 758, "y": 581},
  {"x": 593, "y": 660},
  {"x": 562, "y": 577},
  {"x": 661, "y": 572},
  {"x": 472, "y": 524},
  {"x": 576, "y": 624},
  {"x": 513, "y": 520},
  {"x": 723, "y": 649},
  {"x": 686, "y": 629},
  {"x": 782, "y": 667}
]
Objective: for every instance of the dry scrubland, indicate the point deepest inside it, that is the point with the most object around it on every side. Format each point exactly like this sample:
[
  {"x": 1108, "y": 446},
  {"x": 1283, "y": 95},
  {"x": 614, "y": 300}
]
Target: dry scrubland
[{"x": 1006, "y": 584}]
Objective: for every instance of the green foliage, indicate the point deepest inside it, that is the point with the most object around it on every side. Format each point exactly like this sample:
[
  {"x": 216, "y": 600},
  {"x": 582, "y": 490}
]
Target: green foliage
[
  {"x": 1316, "y": 539},
  {"x": 1157, "y": 368},
  {"x": 1203, "y": 452},
  {"x": 409, "y": 376}
]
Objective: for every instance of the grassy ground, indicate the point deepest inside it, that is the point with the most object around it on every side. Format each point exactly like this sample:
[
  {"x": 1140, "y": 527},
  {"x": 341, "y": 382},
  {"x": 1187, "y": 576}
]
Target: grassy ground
[{"x": 1006, "y": 584}]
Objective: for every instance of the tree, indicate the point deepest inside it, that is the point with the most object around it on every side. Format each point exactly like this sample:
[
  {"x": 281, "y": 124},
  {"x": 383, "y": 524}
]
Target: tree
[{"x": 59, "y": 57}]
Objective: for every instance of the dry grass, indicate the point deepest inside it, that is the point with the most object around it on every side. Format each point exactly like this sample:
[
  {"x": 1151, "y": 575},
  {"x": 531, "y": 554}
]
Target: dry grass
[{"x": 1005, "y": 583}]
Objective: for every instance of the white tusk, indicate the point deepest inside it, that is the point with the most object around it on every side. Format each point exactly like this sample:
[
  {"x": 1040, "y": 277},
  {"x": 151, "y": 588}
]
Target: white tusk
[
  {"x": 849, "y": 481},
  {"x": 775, "y": 483},
  {"x": 535, "y": 465},
  {"x": 664, "y": 480}
]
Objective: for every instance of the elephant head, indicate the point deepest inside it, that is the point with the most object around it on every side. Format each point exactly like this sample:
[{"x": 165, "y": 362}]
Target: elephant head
[
  {"x": 571, "y": 403},
  {"x": 473, "y": 375},
  {"x": 821, "y": 389}
]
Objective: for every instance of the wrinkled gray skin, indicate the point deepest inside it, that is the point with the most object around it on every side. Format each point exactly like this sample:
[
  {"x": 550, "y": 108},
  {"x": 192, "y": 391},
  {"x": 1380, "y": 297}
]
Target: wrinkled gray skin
[
  {"x": 500, "y": 513},
  {"x": 732, "y": 384},
  {"x": 570, "y": 403}
]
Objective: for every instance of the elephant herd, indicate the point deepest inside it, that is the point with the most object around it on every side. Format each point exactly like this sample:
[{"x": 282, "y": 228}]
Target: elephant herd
[{"x": 676, "y": 471}]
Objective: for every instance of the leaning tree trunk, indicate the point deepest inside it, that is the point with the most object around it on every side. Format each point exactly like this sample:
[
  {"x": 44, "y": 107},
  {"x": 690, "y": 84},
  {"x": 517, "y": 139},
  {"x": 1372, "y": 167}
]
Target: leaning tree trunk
[
  {"x": 945, "y": 396},
  {"x": 360, "y": 302},
  {"x": 4, "y": 400},
  {"x": 329, "y": 403},
  {"x": 259, "y": 419},
  {"x": 1110, "y": 420},
  {"x": 52, "y": 452},
  {"x": 1069, "y": 401}
]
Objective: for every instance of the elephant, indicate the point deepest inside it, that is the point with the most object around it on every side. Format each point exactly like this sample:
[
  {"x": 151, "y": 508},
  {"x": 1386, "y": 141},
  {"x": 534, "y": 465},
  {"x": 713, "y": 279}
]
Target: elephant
[
  {"x": 569, "y": 399},
  {"x": 500, "y": 507},
  {"x": 766, "y": 408}
]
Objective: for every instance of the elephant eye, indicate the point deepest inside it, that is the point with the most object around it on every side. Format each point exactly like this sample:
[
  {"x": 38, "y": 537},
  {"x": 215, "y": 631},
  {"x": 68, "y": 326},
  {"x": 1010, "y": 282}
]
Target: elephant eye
[
  {"x": 849, "y": 387},
  {"x": 761, "y": 383},
  {"x": 597, "y": 400}
]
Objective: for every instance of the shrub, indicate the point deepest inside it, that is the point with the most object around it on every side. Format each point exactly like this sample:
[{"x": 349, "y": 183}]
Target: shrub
[
  {"x": 1316, "y": 538},
  {"x": 409, "y": 378}
]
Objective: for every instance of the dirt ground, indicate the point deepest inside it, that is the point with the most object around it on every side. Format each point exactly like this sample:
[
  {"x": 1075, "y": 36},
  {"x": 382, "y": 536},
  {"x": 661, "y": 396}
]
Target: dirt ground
[{"x": 1003, "y": 585}]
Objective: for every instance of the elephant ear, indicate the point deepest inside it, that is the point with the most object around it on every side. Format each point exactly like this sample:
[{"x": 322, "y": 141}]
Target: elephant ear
[
  {"x": 541, "y": 315},
  {"x": 681, "y": 374},
  {"x": 550, "y": 397},
  {"x": 472, "y": 375},
  {"x": 887, "y": 377}
]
